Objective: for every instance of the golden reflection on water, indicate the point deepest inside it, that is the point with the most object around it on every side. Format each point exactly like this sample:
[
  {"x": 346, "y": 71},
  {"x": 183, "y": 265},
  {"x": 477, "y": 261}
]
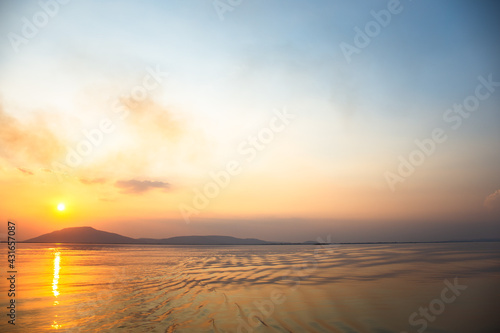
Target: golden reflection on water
[
  {"x": 355, "y": 288},
  {"x": 57, "y": 267},
  {"x": 55, "y": 282}
]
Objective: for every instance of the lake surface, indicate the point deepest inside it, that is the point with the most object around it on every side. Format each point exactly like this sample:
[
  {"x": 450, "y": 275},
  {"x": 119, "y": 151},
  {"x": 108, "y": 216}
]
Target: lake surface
[{"x": 344, "y": 288}]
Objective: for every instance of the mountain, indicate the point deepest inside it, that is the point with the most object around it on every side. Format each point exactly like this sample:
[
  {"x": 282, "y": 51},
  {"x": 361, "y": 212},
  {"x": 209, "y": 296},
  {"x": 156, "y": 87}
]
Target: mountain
[
  {"x": 94, "y": 236},
  {"x": 81, "y": 235},
  {"x": 204, "y": 240}
]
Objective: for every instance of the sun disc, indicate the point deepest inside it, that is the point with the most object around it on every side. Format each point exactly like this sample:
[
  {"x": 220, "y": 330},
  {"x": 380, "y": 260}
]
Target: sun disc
[{"x": 61, "y": 207}]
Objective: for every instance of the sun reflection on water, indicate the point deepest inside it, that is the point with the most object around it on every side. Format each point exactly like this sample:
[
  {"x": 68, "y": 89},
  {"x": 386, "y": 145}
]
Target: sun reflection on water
[
  {"x": 55, "y": 283},
  {"x": 57, "y": 267}
]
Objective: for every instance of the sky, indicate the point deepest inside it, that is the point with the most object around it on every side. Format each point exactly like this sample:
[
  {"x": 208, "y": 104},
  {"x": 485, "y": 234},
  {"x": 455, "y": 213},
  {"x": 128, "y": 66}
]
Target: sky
[{"x": 282, "y": 120}]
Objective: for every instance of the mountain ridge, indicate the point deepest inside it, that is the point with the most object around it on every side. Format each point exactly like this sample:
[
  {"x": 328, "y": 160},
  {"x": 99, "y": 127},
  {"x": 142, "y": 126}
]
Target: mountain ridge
[{"x": 90, "y": 235}]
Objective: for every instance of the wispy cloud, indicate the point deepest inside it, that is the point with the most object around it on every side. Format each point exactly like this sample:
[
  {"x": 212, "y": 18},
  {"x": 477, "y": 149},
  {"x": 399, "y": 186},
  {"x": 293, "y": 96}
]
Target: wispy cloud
[
  {"x": 25, "y": 171},
  {"x": 492, "y": 201},
  {"x": 149, "y": 141},
  {"x": 27, "y": 142},
  {"x": 139, "y": 186},
  {"x": 154, "y": 121}
]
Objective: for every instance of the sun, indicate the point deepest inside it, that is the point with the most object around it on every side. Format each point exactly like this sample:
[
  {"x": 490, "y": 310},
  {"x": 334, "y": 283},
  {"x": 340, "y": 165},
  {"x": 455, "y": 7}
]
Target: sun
[{"x": 61, "y": 207}]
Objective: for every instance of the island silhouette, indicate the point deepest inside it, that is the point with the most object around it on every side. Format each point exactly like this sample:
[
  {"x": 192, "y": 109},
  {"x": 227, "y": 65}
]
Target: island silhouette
[{"x": 91, "y": 235}]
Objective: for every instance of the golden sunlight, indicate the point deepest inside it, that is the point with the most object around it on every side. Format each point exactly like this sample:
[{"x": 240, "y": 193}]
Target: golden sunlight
[
  {"x": 61, "y": 207},
  {"x": 55, "y": 281}
]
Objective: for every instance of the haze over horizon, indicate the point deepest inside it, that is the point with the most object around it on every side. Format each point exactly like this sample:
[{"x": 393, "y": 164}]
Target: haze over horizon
[
  {"x": 88, "y": 234},
  {"x": 275, "y": 120}
]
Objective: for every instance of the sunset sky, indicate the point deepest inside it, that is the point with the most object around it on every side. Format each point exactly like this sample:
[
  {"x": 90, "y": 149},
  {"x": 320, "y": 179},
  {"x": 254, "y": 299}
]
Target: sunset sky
[{"x": 126, "y": 111}]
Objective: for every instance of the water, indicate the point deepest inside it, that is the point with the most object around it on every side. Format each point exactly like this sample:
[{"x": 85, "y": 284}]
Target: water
[{"x": 345, "y": 288}]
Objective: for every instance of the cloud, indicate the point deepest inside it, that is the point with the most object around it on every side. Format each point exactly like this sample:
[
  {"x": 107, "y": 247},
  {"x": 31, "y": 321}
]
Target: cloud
[
  {"x": 27, "y": 142},
  {"x": 137, "y": 186},
  {"x": 492, "y": 201},
  {"x": 25, "y": 171},
  {"x": 154, "y": 121},
  {"x": 151, "y": 141}
]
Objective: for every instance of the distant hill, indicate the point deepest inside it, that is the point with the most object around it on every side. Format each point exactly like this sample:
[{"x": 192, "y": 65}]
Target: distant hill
[
  {"x": 82, "y": 235},
  {"x": 94, "y": 236},
  {"x": 204, "y": 240},
  {"x": 89, "y": 235}
]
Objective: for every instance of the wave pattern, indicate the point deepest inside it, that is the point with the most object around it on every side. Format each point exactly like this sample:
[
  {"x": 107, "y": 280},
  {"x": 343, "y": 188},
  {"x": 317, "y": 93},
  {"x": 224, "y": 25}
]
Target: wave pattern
[{"x": 342, "y": 288}]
